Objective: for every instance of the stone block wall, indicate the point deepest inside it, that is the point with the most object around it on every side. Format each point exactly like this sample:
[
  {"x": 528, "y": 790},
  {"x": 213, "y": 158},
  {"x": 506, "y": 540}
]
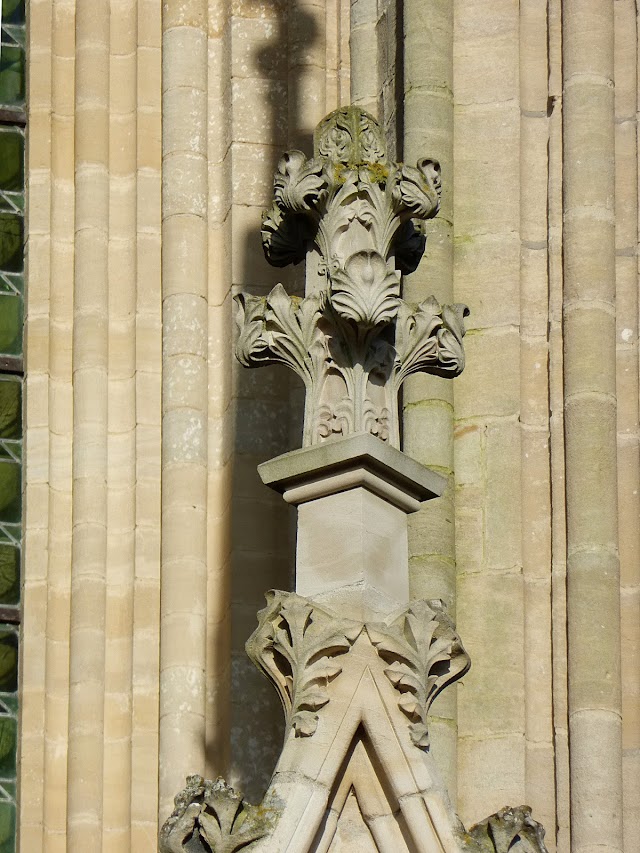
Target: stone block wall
[{"x": 149, "y": 540}]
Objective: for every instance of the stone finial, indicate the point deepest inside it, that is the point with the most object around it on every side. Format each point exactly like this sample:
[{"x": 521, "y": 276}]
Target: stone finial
[{"x": 356, "y": 219}]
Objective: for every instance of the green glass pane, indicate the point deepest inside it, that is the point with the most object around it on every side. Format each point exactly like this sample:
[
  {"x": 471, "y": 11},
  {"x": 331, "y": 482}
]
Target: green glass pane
[
  {"x": 11, "y": 242},
  {"x": 11, "y": 159},
  {"x": 13, "y": 12},
  {"x": 12, "y": 67},
  {"x": 10, "y": 324},
  {"x": 12, "y": 55},
  {"x": 10, "y": 407},
  {"x": 8, "y": 662},
  {"x": 10, "y": 492},
  {"x": 9, "y": 575},
  {"x": 7, "y": 747},
  {"x": 7, "y": 827},
  {"x": 11, "y": 162}
]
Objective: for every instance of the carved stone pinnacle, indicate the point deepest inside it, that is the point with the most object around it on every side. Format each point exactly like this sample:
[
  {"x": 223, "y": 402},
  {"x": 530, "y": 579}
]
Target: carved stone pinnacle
[{"x": 356, "y": 219}]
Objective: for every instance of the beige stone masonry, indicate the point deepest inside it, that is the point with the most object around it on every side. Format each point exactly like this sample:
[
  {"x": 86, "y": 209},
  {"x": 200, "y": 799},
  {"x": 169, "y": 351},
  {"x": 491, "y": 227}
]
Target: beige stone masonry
[{"x": 531, "y": 110}]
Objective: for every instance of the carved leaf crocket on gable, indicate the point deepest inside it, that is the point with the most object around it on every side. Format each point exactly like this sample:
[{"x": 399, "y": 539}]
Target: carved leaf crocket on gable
[{"x": 357, "y": 219}]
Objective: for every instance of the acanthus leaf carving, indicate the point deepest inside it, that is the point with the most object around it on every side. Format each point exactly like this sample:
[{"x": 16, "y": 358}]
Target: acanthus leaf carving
[
  {"x": 424, "y": 654},
  {"x": 211, "y": 816},
  {"x": 298, "y": 182},
  {"x": 279, "y": 328},
  {"x": 418, "y": 189},
  {"x": 508, "y": 830},
  {"x": 429, "y": 338},
  {"x": 297, "y": 645},
  {"x": 365, "y": 290},
  {"x": 359, "y": 216}
]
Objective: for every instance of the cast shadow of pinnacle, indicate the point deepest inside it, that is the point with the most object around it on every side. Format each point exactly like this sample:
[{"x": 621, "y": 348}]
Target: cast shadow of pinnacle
[{"x": 268, "y": 410}]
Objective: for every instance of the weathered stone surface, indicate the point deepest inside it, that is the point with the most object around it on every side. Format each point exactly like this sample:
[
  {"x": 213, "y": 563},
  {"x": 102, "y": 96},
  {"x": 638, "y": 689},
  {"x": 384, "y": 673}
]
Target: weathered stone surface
[{"x": 352, "y": 339}]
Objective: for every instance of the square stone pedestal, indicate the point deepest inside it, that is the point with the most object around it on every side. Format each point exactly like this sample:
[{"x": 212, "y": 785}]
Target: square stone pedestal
[{"x": 353, "y": 495}]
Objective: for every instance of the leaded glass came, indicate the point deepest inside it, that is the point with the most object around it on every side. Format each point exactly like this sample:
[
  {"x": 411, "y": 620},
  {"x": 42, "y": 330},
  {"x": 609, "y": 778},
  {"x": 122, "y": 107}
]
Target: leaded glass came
[{"x": 12, "y": 240}]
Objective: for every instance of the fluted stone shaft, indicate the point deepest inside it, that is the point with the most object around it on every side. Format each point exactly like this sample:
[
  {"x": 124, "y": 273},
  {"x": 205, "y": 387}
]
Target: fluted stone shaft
[
  {"x": 534, "y": 416},
  {"x": 593, "y": 591},
  {"x": 146, "y": 607},
  {"x": 41, "y": 584},
  {"x": 121, "y": 445},
  {"x": 184, "y": 396},
  {"x": 90, "y": 418},
  {"x": 556, "y": 428},
  {"x": 428, "y": 400},
  {"x": 488, "y": 403},
  {"x": 220, "y": 459},
  {"x": 364, "y": 55},
  {"x": 626, "y": 209}
]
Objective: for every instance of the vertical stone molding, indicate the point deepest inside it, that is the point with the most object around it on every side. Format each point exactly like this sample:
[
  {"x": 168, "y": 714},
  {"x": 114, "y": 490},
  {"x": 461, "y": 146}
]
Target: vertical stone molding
[
  {"x": 488, "y": 449},
  {"x": 627, "y": 386},
  {"x": 363, "y": 45},
  {"x": 146, "y": 607},
  {"x": 183, "y": 604},
  {"x": 39, "y": 582},
  {"x": 121, "y": 447},
  {"x": 93, "y": 351},
  {"x": 85, "y": 793},
  {"x": 593, "y": 580},
  {"x": 534, "y": 414},
  {"x": 556, "y": 424},
  {"x": 220, "y": 412},
  {"x": 427, "y": 124}
]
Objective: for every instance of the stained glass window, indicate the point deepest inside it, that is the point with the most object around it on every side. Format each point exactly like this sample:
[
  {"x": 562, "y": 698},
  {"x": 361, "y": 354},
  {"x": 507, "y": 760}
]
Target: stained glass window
[{"x": 12, "y": 204}]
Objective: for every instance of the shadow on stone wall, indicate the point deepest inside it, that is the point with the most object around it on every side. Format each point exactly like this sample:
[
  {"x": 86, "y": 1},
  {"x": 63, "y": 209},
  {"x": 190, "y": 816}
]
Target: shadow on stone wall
[{"x": 268, "y": 401}]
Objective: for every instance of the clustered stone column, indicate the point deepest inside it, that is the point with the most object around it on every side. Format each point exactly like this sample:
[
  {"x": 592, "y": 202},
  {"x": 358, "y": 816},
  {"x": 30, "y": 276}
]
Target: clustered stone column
[
  {"x": 356, "y": 662},
  {"x": 593, "y": 579}
]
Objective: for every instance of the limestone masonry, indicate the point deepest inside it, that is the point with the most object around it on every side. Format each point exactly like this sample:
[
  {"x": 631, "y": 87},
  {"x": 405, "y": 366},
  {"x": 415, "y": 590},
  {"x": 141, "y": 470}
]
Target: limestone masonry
[{"x": 447, "y": 471}]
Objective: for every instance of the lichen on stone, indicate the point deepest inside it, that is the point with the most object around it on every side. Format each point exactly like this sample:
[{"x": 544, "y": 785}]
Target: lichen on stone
[
  {"x": 211, "y": 817},
  {"x": 511, "y": 830}
]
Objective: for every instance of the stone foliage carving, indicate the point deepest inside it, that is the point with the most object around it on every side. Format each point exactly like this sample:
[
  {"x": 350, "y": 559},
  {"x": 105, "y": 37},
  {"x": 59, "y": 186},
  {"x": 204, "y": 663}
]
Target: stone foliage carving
[
  {"x": 211, "y": 816},
  {"x": 511, "y": 830},
  {"x": 298, "y": 644},
  {"x": 424, "y": 654},
  {"x": 356, "y": 218}
]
